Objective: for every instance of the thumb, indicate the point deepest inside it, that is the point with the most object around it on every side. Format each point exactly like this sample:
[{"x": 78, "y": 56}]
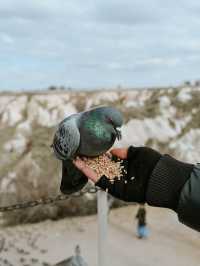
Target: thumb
[
  {"x": 86, "y": 170},
  {"x": 120, "y": 152}
]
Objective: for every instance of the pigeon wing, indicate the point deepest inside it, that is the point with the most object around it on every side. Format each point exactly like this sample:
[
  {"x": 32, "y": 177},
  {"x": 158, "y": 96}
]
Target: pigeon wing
[{"x": 67, "y": 140}]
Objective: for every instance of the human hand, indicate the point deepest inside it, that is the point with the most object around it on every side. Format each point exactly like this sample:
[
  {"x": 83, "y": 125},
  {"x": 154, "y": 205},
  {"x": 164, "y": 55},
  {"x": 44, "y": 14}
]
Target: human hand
[
  {"x": 86, "y": 170},
  {"x": 139, "y": 163}
]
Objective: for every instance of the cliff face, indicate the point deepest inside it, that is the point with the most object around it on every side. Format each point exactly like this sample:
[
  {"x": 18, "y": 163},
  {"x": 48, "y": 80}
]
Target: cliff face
[{"x": 166, "y": 119}]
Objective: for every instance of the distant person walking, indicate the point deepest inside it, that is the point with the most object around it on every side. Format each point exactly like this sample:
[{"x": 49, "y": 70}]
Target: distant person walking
[{"x": 142, "y": 230}]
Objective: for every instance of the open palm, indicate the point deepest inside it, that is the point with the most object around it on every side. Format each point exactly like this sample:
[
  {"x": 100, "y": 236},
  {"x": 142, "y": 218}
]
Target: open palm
[{"x": 89, "y": 172}]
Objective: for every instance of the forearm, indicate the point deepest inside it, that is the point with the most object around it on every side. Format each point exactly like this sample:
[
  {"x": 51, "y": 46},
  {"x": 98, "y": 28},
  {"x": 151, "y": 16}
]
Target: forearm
[
  {"x": 166, "y": 182},
  {"x": 176, "y": 185}
]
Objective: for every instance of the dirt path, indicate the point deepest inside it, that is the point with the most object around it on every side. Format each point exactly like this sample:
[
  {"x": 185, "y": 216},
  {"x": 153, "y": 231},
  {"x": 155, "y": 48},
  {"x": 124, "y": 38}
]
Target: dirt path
[{"x": 170, "y": 243}]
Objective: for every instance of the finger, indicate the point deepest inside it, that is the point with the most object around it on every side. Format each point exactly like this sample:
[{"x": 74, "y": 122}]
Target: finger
[
  {"x": 86, "y": 170},
  {"x": 120, "y": 152},
  {"x": 79, "y": 163},
  {"x": 109, "y": 155}
]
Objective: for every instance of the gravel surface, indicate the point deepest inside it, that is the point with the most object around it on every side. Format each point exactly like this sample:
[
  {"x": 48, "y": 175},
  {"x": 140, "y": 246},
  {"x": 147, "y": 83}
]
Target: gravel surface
[{"x": 169, "y": 243}]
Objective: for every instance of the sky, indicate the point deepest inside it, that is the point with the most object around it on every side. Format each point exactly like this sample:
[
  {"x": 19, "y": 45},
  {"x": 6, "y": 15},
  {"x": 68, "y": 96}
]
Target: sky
[{"x": 98, "y": 43}]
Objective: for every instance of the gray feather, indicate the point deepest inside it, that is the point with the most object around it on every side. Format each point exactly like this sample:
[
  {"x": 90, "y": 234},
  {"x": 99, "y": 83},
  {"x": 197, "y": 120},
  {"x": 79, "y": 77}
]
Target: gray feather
[{"x": 67, "y": 139}]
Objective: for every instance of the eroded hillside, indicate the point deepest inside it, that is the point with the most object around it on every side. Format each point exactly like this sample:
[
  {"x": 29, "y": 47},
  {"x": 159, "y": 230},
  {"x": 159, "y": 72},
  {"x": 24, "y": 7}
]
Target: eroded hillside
[{"x": 167, "y": 119}]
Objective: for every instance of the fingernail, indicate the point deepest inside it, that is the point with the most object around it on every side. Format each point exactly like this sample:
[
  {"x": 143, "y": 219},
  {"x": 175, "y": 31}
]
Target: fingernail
[
  {"x": 78, "y": 162},
  {"x": 75, "y": 161}
]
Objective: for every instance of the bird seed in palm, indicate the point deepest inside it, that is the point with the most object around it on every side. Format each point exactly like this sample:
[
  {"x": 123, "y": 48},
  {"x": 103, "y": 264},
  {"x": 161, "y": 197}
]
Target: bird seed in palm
[{"x": 104, "y": 165}]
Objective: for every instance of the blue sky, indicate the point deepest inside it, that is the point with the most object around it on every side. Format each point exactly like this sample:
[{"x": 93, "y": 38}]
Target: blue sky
[{"x": 98, "y": 43}]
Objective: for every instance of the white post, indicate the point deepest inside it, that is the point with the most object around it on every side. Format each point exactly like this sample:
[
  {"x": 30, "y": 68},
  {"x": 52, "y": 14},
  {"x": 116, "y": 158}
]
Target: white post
[{"x": 102, "y": 205}]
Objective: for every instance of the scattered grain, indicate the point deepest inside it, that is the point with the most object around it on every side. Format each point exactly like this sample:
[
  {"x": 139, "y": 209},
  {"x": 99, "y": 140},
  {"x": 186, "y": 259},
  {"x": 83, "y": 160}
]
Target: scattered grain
[{"x": 104, "y": 165}]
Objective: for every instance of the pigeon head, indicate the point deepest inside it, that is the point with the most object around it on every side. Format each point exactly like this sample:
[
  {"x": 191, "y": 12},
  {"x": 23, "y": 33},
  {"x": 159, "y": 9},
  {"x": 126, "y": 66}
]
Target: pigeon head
[
  {"x": 116, "y": 132},
  {"x": 114, "y": 119}
]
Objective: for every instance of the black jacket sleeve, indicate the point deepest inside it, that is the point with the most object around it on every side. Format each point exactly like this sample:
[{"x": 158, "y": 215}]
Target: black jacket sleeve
[
  {"x": 176, "y": 185},
  {"x": 189, "y": 203},
  {"x": 166, "y": 182}
]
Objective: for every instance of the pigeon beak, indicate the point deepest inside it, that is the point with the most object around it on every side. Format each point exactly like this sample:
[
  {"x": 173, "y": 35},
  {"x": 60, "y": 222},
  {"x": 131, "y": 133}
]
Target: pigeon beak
[{"x": 118, "y": 134}]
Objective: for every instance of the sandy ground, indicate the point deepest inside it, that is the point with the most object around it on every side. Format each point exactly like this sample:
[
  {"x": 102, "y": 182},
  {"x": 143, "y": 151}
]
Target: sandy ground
[{"x": 169, "y": 243}]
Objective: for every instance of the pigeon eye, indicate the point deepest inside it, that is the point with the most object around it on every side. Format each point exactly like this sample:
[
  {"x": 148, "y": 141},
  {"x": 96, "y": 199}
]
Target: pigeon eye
[{"x": 109, "y": 120}]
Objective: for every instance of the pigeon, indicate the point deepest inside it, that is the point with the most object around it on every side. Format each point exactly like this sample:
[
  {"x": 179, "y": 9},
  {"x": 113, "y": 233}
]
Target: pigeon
[
  {"x": 90, "y": 133},
  {"x": 75, "y": 260}
]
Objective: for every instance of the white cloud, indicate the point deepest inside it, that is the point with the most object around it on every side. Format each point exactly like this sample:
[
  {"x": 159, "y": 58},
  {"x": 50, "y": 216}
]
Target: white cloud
[
  {"x": 6, "y": 38},
  {"x": 160, "y": 61}
]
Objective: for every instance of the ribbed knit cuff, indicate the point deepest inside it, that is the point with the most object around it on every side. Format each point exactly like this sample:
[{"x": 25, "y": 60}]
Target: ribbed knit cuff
[{"x": 166, "y": 182}]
